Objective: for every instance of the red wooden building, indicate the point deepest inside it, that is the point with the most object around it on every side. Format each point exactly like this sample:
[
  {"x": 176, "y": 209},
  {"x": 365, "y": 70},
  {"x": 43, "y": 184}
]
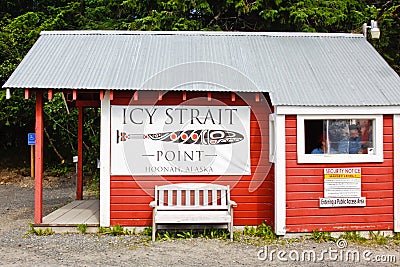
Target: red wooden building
[{"x": 268, "y": 99}]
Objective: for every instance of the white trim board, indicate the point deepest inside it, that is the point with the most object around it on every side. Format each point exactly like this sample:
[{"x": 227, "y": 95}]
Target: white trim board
[
  {"x": 366, "y": 110},
  {"x": 272, "y": 138},
  {"x": 105, "y": 155},
  {"x": 396, "y": 172},
  {"x": 280, "y": 175}
]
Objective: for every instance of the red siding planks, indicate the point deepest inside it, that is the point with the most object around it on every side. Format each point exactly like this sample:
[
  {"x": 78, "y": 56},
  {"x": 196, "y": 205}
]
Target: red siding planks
[
  {"x": 305, "y": 187},
  {"x": 130, "y": 196}
]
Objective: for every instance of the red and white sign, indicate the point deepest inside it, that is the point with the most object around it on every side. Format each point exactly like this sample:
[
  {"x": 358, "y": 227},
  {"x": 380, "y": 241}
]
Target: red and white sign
[
  {"x": 342, "y": 188},
  {"x": 342, "y": 182},
  {"x": 180, "y": 140}
]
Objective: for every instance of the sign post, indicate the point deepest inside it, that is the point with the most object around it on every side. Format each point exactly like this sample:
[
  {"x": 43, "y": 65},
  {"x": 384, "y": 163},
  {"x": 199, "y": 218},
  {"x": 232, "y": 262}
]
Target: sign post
[{"x": 31, "y": 143}]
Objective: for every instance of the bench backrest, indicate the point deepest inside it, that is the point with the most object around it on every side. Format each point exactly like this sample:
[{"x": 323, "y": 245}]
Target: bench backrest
[{"x": 187, "y": 196}]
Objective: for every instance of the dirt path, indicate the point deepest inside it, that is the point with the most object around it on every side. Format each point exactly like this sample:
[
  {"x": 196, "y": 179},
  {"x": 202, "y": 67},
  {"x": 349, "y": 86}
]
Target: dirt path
[{"x": 16, "y": 207}]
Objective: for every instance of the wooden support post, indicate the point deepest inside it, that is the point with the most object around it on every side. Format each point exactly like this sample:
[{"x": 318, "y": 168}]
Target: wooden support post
[
  {"x": 32, "y": 161},
  {"x": 79, "y": 180},
  {"x": 39, "y": 157}
]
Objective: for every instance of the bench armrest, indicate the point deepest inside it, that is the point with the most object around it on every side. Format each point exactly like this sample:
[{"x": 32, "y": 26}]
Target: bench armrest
[
  {"x": 232, "y": 203},
  {"x": 153, "y": 204}
]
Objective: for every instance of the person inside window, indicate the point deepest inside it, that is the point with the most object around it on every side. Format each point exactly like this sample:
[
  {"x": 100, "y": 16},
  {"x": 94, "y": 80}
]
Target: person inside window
[
  {"x": 351, "y": 145},
  {"x": 365, "y": 135},
  {"x": 320, "y": 149}
]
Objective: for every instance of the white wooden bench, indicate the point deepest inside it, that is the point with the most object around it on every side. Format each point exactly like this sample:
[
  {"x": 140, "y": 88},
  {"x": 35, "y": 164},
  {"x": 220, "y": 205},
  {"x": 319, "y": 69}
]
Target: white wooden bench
[{"x": 189, "y": 204}]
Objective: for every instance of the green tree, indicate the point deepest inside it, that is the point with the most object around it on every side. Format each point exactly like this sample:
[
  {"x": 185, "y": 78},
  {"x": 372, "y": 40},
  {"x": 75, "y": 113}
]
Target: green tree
[
  {"x": 389, "y": 43},
  {"x": 16, "y": 121}
]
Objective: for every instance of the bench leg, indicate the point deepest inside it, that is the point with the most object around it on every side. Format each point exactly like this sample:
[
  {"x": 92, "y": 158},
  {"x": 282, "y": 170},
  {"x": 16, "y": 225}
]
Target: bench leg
[
  {"x": 231, "y": 225},
  {"x": 153, "y": 233},
  {"x": 231, "y": 231},
  {"x": 153, "y": 229}
]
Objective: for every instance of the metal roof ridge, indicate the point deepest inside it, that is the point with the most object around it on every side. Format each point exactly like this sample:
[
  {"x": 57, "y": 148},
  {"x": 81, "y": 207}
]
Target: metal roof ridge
[{"x": 203, "y": 33}]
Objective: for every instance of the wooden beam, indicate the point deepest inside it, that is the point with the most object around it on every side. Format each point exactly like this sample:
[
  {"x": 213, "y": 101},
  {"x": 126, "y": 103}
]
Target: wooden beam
[
  {"x": 101, "y": 94},
  {"x": 39, "y": 158},
  {"x": 111, "y": 95},
  {"x": 160, "y": 95},
  {"x": 50, "y": 94},
  {"x": 74, "y": 94},
  {"x": 184, "y": 96},
  {"x": 136, "y": 96},
  {"x": 257, "y": 97},
  {"x": 27, "y": 94},
  {"x": 209, "y": 96},
  {"x": 79, "y": 180},
  {"x": 88, "y": 103}
]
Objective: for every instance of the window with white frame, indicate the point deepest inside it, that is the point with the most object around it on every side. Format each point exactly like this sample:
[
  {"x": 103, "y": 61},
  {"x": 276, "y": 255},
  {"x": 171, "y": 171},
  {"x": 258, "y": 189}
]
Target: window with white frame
[{"x": 339, "y": 139}]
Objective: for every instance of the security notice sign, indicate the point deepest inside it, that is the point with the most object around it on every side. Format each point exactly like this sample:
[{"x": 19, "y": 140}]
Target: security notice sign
[
  {"x": 342, "y": 187},
  {"x": 342, "y": 182},
  {"x": 180, "y": 140}
]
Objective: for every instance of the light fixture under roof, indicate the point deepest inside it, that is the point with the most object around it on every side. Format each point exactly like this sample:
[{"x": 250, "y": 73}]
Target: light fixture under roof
[{"x": 374, "y": 30}]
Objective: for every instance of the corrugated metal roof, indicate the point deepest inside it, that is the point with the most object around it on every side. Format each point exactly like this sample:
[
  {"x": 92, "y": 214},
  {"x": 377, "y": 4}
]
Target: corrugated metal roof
[{"x": 295, "y": 68}]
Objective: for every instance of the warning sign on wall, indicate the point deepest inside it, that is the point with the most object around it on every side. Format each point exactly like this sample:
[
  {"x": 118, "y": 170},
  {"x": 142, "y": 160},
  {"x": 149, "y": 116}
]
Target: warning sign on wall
[{"x": 342, "y": 183}]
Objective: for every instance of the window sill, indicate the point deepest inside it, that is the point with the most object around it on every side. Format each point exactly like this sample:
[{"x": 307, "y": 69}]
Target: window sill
[{"x": 338, "y": 158}]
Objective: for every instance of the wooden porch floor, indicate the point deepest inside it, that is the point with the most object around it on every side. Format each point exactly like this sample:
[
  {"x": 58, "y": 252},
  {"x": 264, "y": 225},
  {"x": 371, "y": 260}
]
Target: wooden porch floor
[{"x": 68, "y": 217}]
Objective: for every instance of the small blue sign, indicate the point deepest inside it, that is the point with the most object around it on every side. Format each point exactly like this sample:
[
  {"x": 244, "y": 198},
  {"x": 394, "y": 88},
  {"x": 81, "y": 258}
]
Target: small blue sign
[{"x": 31, "y": 139}]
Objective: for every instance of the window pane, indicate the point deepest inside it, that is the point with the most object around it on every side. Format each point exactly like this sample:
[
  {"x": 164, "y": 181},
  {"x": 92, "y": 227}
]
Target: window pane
[
  {"x": 350, "y": 136},
  {"x": 366, "y": 128},
  {"x": 312, "y": 132},
  {"x": 338, "y": 136},
  {"x": 345, "y": 136}
]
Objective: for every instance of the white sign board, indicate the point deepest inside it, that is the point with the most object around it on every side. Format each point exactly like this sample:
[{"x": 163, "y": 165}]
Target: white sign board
[
  {"x": 180, "y": 140},
  {"x": 342, "y": 182},
  {"x": 342, "y": 188},
  {"x": 342, "y": 202}
]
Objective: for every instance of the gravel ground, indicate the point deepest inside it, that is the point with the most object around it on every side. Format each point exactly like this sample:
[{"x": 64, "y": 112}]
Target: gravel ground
[{"x": 21, "y": 249}]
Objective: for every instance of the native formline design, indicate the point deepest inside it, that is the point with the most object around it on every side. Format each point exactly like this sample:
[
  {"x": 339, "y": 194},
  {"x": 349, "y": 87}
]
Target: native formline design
[{"x": 202, "y": 137}]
